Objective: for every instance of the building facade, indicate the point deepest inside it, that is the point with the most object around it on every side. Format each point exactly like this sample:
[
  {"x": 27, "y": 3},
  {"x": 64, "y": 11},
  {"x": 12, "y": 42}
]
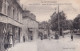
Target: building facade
[
  {"x": 10, "y": 23},
  {"x": 30, "y": 26}
]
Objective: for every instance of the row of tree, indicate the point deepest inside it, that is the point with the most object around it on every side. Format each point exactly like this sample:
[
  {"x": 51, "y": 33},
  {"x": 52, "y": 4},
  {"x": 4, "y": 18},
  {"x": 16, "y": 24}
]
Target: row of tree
[
  {"x": 76, "y": 22},
  {"x": 59, "y": 19}
]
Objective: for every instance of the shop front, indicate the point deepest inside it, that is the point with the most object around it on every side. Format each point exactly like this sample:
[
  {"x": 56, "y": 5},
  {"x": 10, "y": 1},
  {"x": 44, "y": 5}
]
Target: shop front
[
  {"x": 30, "y": 34},
  {"x": 12, "y": 36},
  {"x": 2, "y": 35}
]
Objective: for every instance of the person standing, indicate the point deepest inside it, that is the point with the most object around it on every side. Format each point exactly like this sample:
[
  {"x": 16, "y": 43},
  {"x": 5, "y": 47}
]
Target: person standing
[
  {"x": 72, "y": 37},
  {"x": 23, "y": 38}
]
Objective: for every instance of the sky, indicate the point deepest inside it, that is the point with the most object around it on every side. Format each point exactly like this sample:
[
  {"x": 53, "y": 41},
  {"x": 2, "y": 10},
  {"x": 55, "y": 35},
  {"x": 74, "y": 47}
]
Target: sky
[{"x": 43, "y": 9}]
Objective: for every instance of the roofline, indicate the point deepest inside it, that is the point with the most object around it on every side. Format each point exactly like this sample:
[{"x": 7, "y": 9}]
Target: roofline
[{"x": 31, "y": 19}]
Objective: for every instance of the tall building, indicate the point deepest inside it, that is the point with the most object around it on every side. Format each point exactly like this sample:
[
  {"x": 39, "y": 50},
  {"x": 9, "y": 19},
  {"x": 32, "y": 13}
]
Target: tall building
[{"x": 10, "y": 23}]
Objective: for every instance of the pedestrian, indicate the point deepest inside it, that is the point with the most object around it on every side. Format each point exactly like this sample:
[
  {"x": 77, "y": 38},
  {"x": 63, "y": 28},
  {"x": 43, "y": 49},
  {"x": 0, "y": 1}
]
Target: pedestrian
[
  {"x": 23, "y": 38},
  {"x": 56, "y": 36},
  {"x": 41, "y": 36},
  {"x": 72, "y": 37},
  {"x": 31, "y": 37}
]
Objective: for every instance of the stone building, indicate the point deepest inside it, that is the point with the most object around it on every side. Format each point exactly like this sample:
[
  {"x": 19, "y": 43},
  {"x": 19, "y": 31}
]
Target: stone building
[
  {"x": 10, "y": 23},
  {"x": 30, "y": 26}
]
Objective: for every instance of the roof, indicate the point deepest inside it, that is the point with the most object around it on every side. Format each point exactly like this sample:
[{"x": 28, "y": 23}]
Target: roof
[{"x": 30, "y": 18}]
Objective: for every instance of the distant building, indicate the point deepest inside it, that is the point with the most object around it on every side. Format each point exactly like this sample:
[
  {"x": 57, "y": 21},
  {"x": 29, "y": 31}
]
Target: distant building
[
  {"x": 10, "y": 23},
  {"x": 28, "y": 14},
  {"x": 43, "y": 29},
  {"x": 30, "y": 26}
]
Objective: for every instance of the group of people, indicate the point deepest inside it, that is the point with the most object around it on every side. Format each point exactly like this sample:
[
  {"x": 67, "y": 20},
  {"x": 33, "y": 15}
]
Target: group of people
[{"x": 57, "y": 36}]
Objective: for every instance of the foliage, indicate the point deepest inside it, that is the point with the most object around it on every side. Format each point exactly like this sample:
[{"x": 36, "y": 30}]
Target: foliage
[
  {"x": 54, "y": 20},
  {"x": 44, "y": 24},
  {"x": 76, "y": 22},
  {"x": 63, "y": 22}
]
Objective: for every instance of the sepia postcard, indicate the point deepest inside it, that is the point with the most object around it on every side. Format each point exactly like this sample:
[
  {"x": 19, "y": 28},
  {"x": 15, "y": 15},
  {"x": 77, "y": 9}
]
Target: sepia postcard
[{"x": 39, "y": 25}]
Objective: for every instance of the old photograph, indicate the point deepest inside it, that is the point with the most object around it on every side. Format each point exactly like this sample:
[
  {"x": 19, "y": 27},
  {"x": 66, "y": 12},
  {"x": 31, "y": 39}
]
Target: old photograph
[{"x": 39, "y": 25}]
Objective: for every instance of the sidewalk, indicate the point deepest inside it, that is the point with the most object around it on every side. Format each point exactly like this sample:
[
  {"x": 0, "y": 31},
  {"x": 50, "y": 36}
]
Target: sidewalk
[
  {"x": 27, "y": 46},
  {"x": 61, "y": 44}
]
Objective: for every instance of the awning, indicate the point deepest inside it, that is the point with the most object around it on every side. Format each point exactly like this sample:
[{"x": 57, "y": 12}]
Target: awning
[{"x": 5, "y": 19}]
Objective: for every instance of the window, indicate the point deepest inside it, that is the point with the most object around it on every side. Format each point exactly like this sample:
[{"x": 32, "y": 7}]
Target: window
[
  {"x": 1, "y": 1},
  {"x": 9, "y": 11},
  {"x": 13, "y": 13}
]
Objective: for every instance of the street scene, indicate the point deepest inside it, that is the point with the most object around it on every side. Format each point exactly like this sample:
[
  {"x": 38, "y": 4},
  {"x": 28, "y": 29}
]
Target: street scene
[
  {"x": 63, "y": 44},
  {"x": 39, "y": 25}
]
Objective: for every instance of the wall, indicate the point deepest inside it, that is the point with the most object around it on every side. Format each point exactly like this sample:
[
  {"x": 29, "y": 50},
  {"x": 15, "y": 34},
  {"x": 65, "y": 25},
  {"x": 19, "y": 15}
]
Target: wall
[
  {"x": 12, "y": 9},
  {"x": 29, "y": 23}
]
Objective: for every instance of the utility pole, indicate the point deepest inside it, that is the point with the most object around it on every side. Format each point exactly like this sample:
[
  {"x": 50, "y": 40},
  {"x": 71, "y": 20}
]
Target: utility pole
[
  {"x": 58, "y": 21},
  {"x": 48, "y": 30}
]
